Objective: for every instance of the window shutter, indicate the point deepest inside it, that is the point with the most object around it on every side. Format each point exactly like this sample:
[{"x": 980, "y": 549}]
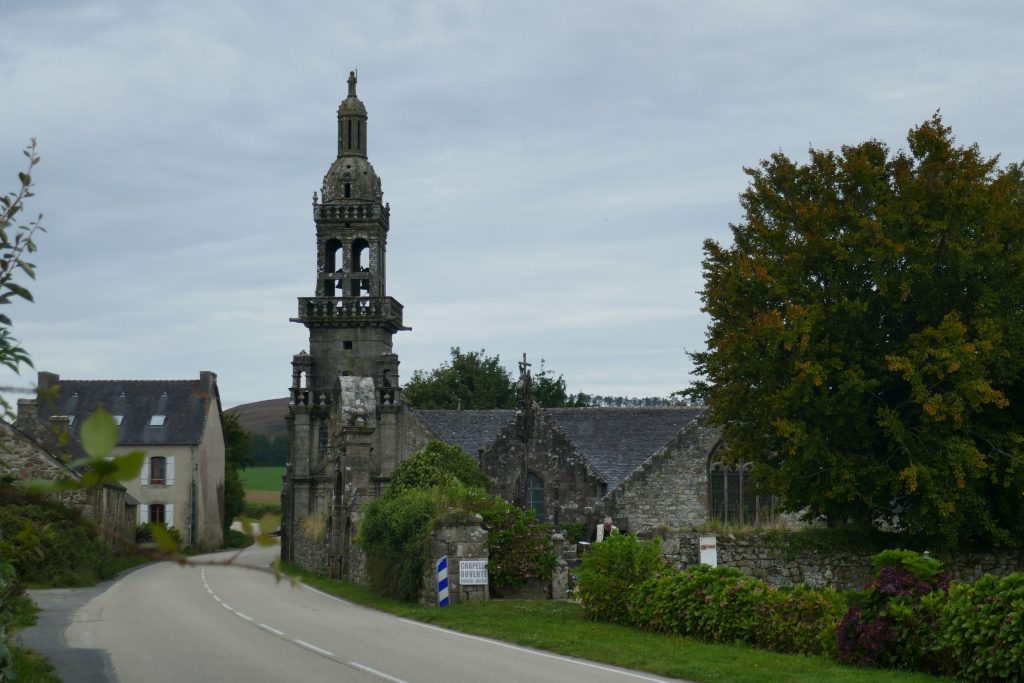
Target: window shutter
[
  {"x": 144, "y": 478},
  {"x": 143, "y": 513},
  {"x": 170, "y": 470},
  {"x": 169, "y": 514}
]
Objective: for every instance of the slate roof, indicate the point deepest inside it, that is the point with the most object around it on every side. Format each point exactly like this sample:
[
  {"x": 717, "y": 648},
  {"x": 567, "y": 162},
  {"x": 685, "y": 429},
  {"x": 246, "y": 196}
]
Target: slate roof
[
  {"x": 615, "y": 441},
  {"x": 183, "y": 403},
  {"x": 470, "y": 430}
]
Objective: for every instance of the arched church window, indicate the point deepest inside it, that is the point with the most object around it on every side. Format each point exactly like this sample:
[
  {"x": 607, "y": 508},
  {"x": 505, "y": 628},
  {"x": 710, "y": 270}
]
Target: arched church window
[
  {"x": 733, "y": 497},
  {"x": 535, "y": 495}
]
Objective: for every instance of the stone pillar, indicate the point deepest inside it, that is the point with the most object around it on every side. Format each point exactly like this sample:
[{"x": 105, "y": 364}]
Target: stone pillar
[{"x": 457, "y": 543}]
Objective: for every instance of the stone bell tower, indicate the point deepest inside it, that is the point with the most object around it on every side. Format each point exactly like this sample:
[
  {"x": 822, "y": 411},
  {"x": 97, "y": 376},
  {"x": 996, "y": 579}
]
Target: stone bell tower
[{"x": 345, "y": 393}]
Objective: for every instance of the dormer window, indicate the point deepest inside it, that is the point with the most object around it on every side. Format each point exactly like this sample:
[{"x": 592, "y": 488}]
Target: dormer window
[{"x": 161, "y": 412}]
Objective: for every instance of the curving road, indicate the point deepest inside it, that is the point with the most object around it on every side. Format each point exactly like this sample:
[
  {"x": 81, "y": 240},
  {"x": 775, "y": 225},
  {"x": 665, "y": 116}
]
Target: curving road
[{"x": 165, "y": 622}]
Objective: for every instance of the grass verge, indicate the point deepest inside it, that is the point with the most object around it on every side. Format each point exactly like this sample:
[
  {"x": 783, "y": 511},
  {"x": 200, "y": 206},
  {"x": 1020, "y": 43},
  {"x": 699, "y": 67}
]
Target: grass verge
[
  {"x": 28, "y": 666},
  {"x": 559, "y": 627}
]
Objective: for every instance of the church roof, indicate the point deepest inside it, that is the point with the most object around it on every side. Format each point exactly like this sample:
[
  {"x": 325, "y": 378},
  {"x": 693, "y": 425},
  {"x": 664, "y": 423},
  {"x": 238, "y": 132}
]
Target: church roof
[
  {"x": 470, "y": 430},
  {"x": 152, "y": 411},
  {"x": 616, "y": 441}
]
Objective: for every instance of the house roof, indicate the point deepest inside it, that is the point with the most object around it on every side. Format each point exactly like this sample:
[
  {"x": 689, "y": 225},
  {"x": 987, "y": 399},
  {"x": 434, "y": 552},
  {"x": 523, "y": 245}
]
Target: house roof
[
  {"x": 184, "y": 405},
  {"x": 615, "y": 441},
  {"x": 470, "y": 430}
]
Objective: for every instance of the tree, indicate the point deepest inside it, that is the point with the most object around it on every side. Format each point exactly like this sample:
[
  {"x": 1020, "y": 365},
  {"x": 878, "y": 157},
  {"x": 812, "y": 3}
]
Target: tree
[
  {"x": 866, "y": 345},
  {"x": 237, "y": 456},
  {"x": 476, "y": 381},
  {"x": 471, "y": 381},
  {"x": 16, "y": 240}
]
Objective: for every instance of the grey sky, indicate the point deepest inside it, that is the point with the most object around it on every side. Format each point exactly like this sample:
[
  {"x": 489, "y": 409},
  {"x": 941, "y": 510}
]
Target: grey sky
[{"x": 552, "y": 167}]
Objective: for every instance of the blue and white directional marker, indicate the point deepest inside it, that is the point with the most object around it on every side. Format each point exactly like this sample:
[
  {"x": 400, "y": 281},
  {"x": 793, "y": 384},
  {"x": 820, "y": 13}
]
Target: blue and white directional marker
[{"x": 442, "y": 582}]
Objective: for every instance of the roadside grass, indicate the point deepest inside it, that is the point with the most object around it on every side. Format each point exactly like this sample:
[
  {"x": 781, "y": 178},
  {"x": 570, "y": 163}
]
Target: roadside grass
[
  {"x": 559, "y": 626},
  {"x": 28, "y": 666},
  {"x": 262, "y": 478},
  {"x": 31, "y": 667}
]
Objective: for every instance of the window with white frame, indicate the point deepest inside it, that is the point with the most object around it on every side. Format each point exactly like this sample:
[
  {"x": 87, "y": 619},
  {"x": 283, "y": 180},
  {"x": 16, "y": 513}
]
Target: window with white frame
[
  {"x": 157, "y": 513},
  {"x": 158, "y": 470}
]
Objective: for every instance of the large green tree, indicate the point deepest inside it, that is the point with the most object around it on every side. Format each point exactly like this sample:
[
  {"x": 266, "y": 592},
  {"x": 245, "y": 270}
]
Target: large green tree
[
  {"x": 471, "y": 381},
  {"x": 476, "y": 381},
  {"x": 866, "y": 349}
]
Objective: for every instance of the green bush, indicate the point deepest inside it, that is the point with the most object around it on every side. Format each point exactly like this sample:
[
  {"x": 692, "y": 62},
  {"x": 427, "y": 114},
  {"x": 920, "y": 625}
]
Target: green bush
[
  {"x": 722, "y": 605},
  {"x": 611, "y": 570},
  {"x": 895, "y": 621},
  {"x": 49, "y": 544},
  {"x": 798, "y": 620},
  {"x": 983, "y": 629},
  {"x": 236, "y": 539},
  {"x": 438, "y": 464},
  {"x": 254, "y": 510},
  {"x": 395, "y": 533},
  {"x": 715, "y": 605},
  {"x": 519, "y": 545},
  {"x": 10, "y": 590},
  {"x": 144, "y": 533}
]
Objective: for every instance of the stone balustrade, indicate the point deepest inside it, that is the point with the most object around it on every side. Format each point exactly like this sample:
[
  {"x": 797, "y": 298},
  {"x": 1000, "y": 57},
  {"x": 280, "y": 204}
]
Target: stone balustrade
[
  {"x": 381, "y": 309},
  {"x": 351, "y": 211}
]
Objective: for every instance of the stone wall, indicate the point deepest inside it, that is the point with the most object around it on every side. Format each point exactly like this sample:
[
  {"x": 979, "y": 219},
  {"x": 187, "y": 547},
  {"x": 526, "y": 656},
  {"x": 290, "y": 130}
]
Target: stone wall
[
  {"x": 457, "y": 543},
  {"x": 756, "y": 555},
  {"x": 671, "y": 488},
  {"x": 311, "y": 553}
]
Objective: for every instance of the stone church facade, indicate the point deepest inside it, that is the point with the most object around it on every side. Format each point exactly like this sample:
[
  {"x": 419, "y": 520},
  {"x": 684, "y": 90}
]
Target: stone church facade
[{"x": 349, "y": 427}]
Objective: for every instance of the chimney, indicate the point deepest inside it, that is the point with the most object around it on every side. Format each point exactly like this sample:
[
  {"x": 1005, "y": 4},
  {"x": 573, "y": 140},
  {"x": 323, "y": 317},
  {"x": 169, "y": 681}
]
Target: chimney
[
  {"x": 46, "y": 380},
  {"x": 207, "y": 381},
  {"x": 28, "y": 411}
]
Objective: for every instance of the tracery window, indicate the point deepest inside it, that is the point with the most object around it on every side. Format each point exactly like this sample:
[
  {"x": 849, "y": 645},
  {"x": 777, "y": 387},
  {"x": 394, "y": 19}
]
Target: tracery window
[
  {"x": 535, "y": 495},
  {"x": 733, "y": 497}
]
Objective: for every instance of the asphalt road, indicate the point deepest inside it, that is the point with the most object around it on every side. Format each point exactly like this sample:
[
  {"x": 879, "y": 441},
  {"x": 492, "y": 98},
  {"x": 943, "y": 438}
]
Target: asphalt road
[{"x": 165, "y": 622}]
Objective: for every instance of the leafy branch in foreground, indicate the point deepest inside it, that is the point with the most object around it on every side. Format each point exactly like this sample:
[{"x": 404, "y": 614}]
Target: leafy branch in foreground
[{"x": 16, "y": 240}]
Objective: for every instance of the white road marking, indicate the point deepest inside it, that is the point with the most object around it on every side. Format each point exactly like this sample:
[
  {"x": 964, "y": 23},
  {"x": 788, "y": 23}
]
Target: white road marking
[
  {"x": 517, "y": 648},
  {"x": 271, "y": 629},
  {"x": 244, "y": 616},
  {"x": 381, "y": 674},
  {"x": 217, "y": 598},
  {"x": 226, "y": 606},
  {"x": 314, "y": 648}
]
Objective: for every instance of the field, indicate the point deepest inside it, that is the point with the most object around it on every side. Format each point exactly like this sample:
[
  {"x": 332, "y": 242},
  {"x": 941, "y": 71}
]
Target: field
[{"x": 263, "y": 484}]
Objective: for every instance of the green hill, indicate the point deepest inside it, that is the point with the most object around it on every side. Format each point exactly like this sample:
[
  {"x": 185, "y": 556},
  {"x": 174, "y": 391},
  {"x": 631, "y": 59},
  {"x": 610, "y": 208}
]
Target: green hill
[{"x": 263, "y": 417}]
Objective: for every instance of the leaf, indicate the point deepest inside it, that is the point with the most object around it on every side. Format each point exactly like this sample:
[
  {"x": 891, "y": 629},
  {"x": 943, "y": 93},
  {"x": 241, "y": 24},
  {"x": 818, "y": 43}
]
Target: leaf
[
  {"x": 25, "y": 179},
  {"x": 99, "y": 433},
  {"x": 19, "y": 290}
]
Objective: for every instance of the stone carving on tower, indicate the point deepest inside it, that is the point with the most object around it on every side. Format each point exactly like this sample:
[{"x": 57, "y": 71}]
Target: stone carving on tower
[{"x": 345, "y": 394}]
